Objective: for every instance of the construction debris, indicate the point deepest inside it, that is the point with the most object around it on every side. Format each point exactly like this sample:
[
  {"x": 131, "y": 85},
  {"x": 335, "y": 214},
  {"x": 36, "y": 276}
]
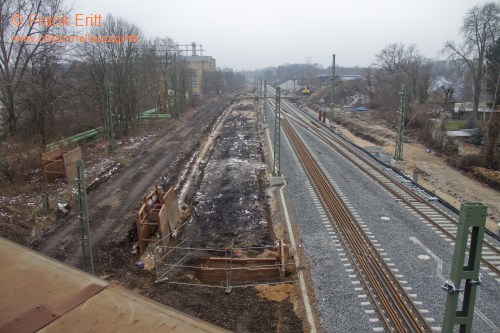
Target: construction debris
[
  {"x": 158, "y": 213},
  {"x": 60, "y": 164}
]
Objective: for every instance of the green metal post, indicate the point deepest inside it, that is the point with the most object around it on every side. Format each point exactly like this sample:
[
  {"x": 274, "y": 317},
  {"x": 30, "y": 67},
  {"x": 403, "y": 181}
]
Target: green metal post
[
  {"x": 261, "y": 100},
  {"x": 332, "y": 104},
  {"x": 83, "y": 215},
  {"x": 174, "y": 81},
  {"x": 471, "y": 225},
  {"x": 264, "y": 101},
  {"x": 398, "y": 153},
  {"x": 277, "y": 130},
  {"x": 111, "y": 121}
]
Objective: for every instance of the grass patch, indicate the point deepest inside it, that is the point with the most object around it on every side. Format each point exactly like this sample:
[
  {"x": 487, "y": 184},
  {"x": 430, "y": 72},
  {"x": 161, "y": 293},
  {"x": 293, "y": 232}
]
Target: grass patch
[{"x": 454, "y": 125}]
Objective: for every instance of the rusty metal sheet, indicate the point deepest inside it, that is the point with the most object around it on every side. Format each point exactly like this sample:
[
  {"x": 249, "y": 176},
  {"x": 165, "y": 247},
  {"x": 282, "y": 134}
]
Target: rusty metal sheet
[
  {"x": 40, "y": 315},
  {"x": 30, "y": 321},
  {"x": 40, "y": 292},
  {"x": 28, "y": 280},
  {"x": 118, "y": 310}
]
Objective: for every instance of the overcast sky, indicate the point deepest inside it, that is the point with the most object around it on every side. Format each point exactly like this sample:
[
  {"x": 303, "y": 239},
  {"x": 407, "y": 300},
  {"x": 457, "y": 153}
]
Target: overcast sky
[{"x": 254, "y": 34}]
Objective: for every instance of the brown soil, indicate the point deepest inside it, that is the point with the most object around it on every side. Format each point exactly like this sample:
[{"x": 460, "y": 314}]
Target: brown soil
[
  {"x": 117, "y": 185},
  {"x": 435, "y": 175}
]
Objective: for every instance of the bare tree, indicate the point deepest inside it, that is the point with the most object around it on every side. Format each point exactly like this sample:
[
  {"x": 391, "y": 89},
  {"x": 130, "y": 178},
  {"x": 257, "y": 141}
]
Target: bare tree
[
  {"x": 156, "y": 59},
  {"x": 491, "y": 157},
  {"x": 20, "y": 42},
  {"x": 480, "y": 28},
  {"x": 116, "y": 63},
  {"x": 397, "y": 64},
  {"x": 39, "y": 93}
]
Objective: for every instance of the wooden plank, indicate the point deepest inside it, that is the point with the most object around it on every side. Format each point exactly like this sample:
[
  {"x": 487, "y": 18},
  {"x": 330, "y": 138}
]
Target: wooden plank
[
  {"x": 143, "y": 231},
  {"x": 70, "y": 159},
  {"x": 53, "y": 170},
  {"x": 52, "y": 155},
  {"x": 173, "y": 212},
  {"x": 164, "y": 226}
]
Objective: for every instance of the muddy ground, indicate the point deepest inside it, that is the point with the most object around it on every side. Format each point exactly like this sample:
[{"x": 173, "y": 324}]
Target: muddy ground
[
  {"x": 230, "y": 201},
  {"x": 225, "y": 205}
]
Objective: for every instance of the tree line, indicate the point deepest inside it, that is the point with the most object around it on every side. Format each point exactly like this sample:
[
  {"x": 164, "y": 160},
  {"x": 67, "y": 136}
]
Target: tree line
[
  {"x": 52, "y": 90},
  {"x": 471, "y": 73}
]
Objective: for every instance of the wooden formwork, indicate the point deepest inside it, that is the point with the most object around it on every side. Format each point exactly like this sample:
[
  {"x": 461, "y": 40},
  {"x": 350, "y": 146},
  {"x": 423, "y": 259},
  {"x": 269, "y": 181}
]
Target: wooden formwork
[
  {"x": 216, "y": 270},
  {"x": 61, "y": 164},
  {"x": 159, "y": 212}
]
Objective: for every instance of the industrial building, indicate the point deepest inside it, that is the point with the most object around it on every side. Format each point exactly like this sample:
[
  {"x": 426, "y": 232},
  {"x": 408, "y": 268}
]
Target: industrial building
[{"x": 200, "y": 65}]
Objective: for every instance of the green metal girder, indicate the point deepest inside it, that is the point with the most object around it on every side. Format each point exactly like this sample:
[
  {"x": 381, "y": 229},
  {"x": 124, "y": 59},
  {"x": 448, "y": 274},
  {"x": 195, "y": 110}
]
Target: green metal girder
[
  {"x": 471, "y": 225},
  {"x": 83, "y": 215},
  {"x": 277, "y": 130},
  {"x": 398, "y": 153},
  {"x": 264, "y": 100},
  {"x": 111, "y": 121},
  {"x": 332, "y": 104}
]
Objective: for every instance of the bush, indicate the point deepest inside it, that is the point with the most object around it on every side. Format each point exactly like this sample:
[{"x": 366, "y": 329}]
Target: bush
[
  {"x": 465, "y": 162},
  {"x": 18, "y": 160}
]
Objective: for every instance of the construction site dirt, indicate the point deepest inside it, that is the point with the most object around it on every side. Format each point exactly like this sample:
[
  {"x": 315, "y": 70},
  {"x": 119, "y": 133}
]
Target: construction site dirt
[{"x": 224, "y": 202}]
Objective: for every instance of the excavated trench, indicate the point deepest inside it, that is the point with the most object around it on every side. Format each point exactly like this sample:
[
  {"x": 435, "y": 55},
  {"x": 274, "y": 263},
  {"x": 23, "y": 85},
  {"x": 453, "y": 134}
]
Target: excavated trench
[
  {"x": 225, "y": 206},
  {"x": 230, "y": 204}
]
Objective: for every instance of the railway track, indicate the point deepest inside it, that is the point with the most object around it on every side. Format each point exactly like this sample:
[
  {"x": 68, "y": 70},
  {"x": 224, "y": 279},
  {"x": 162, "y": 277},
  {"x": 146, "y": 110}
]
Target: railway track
[
  {"x": 395, "y": 308},
  {"x": 415, "y": 201}
]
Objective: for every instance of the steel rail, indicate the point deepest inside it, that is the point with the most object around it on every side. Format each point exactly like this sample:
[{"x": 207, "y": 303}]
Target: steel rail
[
  {"x": 390, "y": 297},
  {"x": 386, "y": 183}
]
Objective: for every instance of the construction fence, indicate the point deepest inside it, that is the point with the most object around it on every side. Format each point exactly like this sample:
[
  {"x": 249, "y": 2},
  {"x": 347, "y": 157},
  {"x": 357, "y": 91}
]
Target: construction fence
[{"x": 224, "y": 268}]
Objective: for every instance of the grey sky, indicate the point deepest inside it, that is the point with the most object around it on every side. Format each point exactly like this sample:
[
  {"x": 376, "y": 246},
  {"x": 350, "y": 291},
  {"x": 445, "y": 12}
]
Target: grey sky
[{"x": 258, "y": 33}]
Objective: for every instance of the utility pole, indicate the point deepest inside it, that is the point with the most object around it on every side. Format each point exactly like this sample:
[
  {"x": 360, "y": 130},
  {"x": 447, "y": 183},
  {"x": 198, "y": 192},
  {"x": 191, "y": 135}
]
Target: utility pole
[
  {"x": 265, "y": 101},
  {"x": 398, "y": 154},
  {"x": 174, "y": 79},
  {"x": 259, "y": 89},
  {"x": 332, "y": 105},
  {"x": 83, "y": 216},
  {"x": 277, "y": 129},
  {"x": 111, "y": 120},
  {"x": 471, "y": 225}
]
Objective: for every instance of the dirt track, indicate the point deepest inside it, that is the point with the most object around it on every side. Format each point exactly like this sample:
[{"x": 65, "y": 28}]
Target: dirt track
[{"x": 111, "y": 216}]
